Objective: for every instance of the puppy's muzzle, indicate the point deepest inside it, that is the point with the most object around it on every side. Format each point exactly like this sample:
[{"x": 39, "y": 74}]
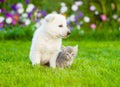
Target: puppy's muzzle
[{"x": 68, "y": 33}]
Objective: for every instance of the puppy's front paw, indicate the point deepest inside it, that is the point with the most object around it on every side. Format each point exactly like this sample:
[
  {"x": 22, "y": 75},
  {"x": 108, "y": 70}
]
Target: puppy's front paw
[{"x": 52, "y": 64}]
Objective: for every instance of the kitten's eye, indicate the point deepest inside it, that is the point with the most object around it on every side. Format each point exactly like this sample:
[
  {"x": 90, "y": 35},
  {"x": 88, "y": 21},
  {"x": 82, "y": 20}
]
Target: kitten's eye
[
  {"x": 60, "y": 25},
  {"x": 67, "y": 53}
]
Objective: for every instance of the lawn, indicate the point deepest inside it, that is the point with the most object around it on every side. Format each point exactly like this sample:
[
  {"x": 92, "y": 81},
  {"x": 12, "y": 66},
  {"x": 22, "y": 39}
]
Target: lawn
[{"x": 96, "y": 65}]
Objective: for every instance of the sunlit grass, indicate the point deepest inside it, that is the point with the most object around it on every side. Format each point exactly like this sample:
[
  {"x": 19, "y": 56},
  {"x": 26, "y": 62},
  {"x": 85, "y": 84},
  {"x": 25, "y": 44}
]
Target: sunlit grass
[{"x": 96, "y": 65}]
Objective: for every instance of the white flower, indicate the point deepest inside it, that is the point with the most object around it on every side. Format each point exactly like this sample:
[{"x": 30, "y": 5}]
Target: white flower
[
  {"x": 96, "y": 12},
  {"x": 30, "y": 8},
  {"x": 74, "y": 7},
  {"x": 78, "y": 3},
  {"x": 63, "y": 9},
  {"x": 72, "y": 18},
  {"x": 39, "y": 14},
  {"x": 63, "y": 4},
  {"x": 20, "y": 10},
  {"x": 8, "y": 20},
  {"x": 92, "y": 8},
  {"x": 19, "y": 5},
  {"x": 86, "y": 19},
  {"x": 24, "y": 15},
  {"x": 115, "y": 16},
  {"x": 1, "y": 19},
  {"x": 27, "y": 21}
]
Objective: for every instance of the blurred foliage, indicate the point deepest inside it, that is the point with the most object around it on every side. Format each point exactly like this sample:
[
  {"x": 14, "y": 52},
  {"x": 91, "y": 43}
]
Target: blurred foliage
[
  {"x": 17, "y": 33},
  {"x": 99, "y": 35},
  {"x": 108, "y": 30},
  {"x": 26, "y": 33}
]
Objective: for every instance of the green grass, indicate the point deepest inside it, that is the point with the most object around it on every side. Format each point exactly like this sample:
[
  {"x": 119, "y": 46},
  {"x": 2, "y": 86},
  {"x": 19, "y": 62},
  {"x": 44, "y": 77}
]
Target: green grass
[{"x": 96, "y": 65}]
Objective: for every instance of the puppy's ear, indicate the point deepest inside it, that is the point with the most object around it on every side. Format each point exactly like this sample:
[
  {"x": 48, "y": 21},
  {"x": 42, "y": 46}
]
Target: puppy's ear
[{"x": 49, "y": 18}]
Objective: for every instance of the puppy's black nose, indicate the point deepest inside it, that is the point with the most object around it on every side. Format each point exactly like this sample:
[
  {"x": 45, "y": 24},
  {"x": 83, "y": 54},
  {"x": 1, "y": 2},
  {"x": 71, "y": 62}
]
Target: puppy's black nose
[{"x": 68, "y": 33}]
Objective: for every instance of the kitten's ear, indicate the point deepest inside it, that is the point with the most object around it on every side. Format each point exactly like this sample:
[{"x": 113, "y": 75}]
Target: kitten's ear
[
  {"x": 49, "y": 18},
  {"x": 76, "y": 48},
  {"x": 62, "y": 47}
]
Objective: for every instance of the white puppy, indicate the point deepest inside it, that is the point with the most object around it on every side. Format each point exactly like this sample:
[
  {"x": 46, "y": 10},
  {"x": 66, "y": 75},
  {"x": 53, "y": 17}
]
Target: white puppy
[{"x": 46, "y": 42}]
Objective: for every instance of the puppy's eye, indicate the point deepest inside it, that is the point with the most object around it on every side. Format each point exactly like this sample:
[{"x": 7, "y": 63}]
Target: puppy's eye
[{"x": 60, "y": 25}]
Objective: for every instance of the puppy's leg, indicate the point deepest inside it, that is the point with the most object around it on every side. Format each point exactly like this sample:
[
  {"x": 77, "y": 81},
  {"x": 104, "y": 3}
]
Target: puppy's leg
[
  {"x": 35, "y": 57},
  {"x": 53, "y": 61}
]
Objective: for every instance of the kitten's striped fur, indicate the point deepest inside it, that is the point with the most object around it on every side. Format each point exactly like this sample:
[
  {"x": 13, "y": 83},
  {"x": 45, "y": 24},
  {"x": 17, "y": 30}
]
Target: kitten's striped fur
[{"x": 66, "y": 56}]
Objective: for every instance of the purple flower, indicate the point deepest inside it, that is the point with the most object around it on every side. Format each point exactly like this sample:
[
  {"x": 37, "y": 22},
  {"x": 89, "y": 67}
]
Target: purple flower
[
  {"x": 1, "y": 25},
  {"x": 23, "y": 25},
  {"x": 14, "y": 7},
  {"x": 27, "y": 1},
  {"x": 29, "y": 15},
  {"x": 44, "y": 13},
  {"x": 2, "y": 1},
  {"x": 69, "y": 25},
  {"x": 80, "y": 14},
  {"x": 76, "y": 19},
  {"x": 2, "y": 10},
  {"x": 33, "y": 9},
  {"x": 36, "y": 20},
  {"x": 0, "y": 28},
  {"x": 8, "y": 15}
]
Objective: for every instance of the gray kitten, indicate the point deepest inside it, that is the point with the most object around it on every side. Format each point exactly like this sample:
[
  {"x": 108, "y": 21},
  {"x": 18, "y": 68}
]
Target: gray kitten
[{"x": 66, "y": 56}]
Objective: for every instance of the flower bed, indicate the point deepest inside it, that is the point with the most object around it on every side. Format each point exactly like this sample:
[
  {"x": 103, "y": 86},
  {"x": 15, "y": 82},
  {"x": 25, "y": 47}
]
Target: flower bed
[{"x": 82, "y": 15}]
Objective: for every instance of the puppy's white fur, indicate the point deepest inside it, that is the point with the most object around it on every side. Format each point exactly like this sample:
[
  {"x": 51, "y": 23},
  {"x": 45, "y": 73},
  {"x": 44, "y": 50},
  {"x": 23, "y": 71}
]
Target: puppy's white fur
[{"x": 46, "y": 42}]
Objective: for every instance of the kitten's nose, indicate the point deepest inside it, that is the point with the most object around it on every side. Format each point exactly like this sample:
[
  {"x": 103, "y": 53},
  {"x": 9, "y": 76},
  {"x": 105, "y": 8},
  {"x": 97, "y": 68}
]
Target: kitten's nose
[{"x": 68, "y": 33}]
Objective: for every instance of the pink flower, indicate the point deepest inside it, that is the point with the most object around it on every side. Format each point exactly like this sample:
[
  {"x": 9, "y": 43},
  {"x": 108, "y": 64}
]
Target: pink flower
[
  {"x": 2, "y": 1},
  {"x": 103, "y": 17},
  {"x": 14, "y": 22},
  {"x": 1, "y": 25},
  {"x": 93, "y": 26}
]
